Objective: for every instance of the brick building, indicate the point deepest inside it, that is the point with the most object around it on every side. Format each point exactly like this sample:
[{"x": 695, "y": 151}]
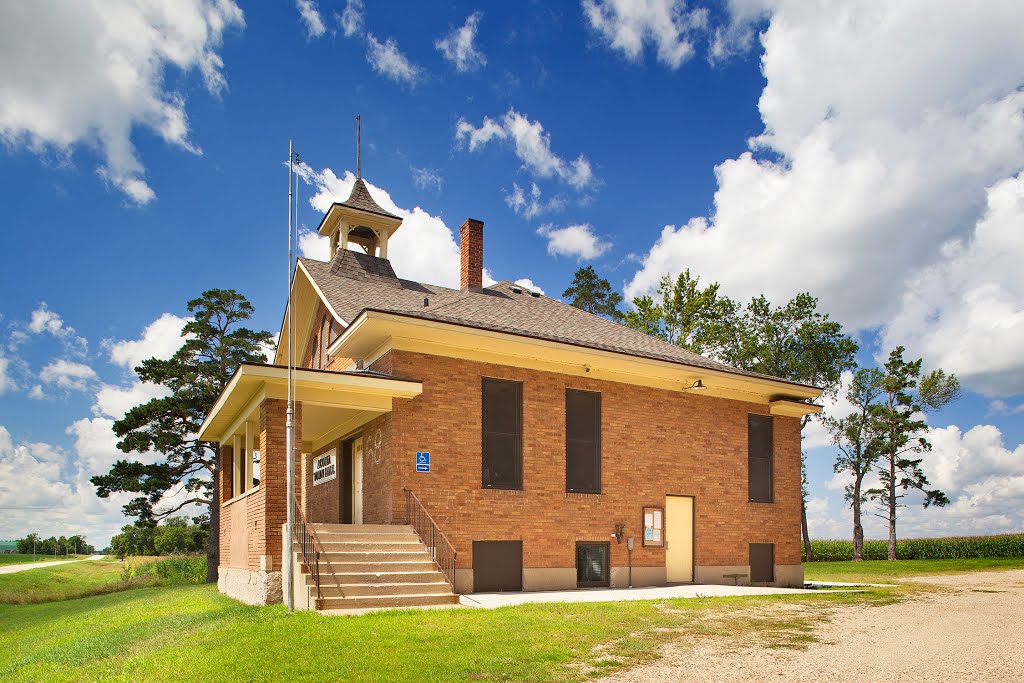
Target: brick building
[{"x": 491, "y": 438}]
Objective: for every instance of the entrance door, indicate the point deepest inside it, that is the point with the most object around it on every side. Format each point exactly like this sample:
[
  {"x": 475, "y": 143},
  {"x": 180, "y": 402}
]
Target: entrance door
[
  {"x": 679, "y": 539},
  {"x": 357, "y": 481}
]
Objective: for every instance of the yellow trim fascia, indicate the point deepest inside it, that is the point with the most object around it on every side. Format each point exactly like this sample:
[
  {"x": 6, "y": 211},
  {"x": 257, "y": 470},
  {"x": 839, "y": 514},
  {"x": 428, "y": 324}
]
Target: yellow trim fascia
[
  {"x": 317, "y": 387},
  {"x": 336, "y": 214},
  {"x": 790, "y": 408},
  {"x": 251, "y": 407},
  {"x": 300, "y": 327},
  {"x": 443, "y": 339}
]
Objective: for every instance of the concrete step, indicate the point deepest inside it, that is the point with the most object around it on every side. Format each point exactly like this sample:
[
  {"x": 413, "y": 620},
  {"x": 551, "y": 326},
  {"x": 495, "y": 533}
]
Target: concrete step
[
  {"x": 371, "y": 557},
  {"x": 392, "y": 601},
  {"x": 349, "y": 537},
  {"x": 385, "y": 589},
  {"x": 328, "y": 577},
  {"x": 363, "y": 528},
  {"x": 407, "y": 546},
  {"x": 418, "y": 565}
]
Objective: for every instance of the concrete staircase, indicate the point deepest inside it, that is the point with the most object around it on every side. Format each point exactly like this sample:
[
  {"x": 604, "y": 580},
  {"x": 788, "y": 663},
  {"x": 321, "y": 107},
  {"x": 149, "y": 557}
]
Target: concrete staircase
[{"x": 372, "y": 566}]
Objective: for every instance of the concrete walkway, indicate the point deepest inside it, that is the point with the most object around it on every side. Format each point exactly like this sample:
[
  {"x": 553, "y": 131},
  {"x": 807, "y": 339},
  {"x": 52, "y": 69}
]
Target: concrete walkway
[
  {"x": 12, "y": 568},
  {"x": 492, "y": 600}
]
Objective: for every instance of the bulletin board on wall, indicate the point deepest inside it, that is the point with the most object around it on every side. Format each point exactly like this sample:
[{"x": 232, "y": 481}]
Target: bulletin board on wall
[{"x": 654, "y": 526}]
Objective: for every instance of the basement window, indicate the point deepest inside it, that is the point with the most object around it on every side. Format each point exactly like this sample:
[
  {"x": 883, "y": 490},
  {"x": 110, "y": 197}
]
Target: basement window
[
  {"x": 582, "y": 441},
  {"x": 502, "y": 433},
  {"x": 759, "y": 458},
  {"x": 592, "y": 565}
]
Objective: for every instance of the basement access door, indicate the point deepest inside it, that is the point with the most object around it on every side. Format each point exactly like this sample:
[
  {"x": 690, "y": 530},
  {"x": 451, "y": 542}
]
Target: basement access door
[{"x": 497, "y": 566}]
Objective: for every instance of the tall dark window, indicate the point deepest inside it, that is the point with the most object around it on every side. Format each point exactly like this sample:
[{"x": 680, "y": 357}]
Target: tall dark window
[
  {"x": 759, "y": 458},
  {"x": 592, "y": 564},
  {"x": 582, "y": 441},
  {"x": 502, "y": 412}
]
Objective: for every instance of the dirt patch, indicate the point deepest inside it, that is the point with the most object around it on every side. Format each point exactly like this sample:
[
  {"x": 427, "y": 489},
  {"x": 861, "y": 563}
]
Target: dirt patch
[{"x": 965, "y": 632}]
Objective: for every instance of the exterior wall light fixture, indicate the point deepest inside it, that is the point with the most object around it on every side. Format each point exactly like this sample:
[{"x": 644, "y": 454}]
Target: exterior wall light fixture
[{"x": 697, "y": 386}]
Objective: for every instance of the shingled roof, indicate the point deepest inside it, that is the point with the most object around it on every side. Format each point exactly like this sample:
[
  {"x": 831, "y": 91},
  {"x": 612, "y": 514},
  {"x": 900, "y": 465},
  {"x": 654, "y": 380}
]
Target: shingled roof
[
  {"x": 354, "y": 282},
  {"x": 360, "y": 199}
]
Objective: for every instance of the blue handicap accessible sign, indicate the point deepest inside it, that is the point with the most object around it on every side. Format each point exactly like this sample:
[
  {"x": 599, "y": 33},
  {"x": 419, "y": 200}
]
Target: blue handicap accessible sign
[{"x": 422, "y": 461}]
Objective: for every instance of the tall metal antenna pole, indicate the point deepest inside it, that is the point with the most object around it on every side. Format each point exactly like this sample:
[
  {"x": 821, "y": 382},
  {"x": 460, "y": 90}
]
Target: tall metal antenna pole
[
  {"x": 359, "y": 146},
  {"x": 289, "y": 586}
]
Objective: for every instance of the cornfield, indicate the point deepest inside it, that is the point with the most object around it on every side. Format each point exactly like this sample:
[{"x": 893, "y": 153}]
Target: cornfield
[{"x": 1006, "y": 545}]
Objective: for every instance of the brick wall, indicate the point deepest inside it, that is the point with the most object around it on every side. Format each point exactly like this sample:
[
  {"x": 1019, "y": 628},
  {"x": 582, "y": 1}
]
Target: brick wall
[
  {"x": 324, "y": 500},
  {"x": 378, "y": 498},
  {"x": 255, "y": 520},
  {"x": 654, "y": 442}
]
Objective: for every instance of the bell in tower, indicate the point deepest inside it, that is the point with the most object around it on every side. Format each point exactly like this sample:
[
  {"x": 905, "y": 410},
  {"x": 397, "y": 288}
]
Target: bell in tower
[{"x": 359, "y": 223}]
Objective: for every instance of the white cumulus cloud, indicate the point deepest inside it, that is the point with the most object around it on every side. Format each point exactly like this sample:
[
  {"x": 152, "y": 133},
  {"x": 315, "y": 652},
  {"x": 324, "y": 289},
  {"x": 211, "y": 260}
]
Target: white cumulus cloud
[
  {"x": 628, "y": 25},
  {"x": 79, "y": 73},
  {"x": 532, "y": 146},
  {"x": 67, "y": 375},
  {"x": 458, "y": 46},
  {"x": 532, "y": 205},
  {"x": 160, "y": 339},
  {"x": 351, "y": 18},
  {"x": 869, "y": 184},
  {"x": 575, "y": 241},
  {"x": 527, "y": 283},
  {"x": 387, "y": 60},
  {"x": 311, "y": 19},
  {"x": 426, "y": 178}
]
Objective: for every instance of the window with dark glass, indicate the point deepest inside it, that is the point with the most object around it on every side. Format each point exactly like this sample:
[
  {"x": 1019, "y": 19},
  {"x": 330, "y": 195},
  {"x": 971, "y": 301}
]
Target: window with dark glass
[
  {"x": 759, "y": 458},
  {"x": 592, "y": 564},
  {"x": 502, "y": 422},
  {"x": 582, "y": 441}
]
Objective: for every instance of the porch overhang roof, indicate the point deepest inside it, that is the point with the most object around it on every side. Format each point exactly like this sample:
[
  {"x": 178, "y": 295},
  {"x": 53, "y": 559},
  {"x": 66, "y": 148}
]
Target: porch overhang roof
[{"x": 351, "y": 392}]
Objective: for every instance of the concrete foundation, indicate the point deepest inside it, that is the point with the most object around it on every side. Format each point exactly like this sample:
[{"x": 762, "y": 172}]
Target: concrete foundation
[
  {"x": 251, "y": 586},
  {"x": 642, "y": 576},
  {"x": 786, "y": 575}
]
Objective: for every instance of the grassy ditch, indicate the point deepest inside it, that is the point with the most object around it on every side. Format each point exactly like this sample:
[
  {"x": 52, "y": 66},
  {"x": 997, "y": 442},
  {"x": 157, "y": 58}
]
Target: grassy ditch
[
  {"x": 97, "y": 577},
  {"x": 21, "y": 558}
]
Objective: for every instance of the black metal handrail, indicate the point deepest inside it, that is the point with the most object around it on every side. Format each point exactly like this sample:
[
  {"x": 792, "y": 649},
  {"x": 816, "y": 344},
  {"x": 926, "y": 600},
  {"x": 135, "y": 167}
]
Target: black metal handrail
[
  {"x": 438, "y": 545},
  {"x": 311, "y": 549}
]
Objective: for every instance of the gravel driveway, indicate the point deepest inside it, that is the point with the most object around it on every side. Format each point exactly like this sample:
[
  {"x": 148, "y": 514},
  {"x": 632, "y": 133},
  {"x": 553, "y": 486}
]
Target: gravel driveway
[{"x": 970, "y": 631}]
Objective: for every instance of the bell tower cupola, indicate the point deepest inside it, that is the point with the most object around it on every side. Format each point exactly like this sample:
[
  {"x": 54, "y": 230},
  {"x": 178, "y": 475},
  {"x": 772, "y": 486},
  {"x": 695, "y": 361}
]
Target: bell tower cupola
[{"x": 359, "y": 222}]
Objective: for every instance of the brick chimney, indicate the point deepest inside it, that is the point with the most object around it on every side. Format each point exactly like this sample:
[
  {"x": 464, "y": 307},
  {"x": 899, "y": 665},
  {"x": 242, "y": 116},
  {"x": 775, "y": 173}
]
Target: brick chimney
[{"x": 471, "y": 246}]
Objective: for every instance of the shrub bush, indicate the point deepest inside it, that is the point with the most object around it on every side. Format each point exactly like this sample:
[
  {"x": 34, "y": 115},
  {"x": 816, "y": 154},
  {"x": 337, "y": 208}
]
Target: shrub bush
[
  {"x": 171, "y": 571},
  {"x": 955, "y": 548}
]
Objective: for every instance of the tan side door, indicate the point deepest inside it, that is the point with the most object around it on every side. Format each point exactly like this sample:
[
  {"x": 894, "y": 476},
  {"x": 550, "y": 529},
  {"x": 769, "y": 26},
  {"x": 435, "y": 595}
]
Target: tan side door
[{"x": 679, "y": 539}]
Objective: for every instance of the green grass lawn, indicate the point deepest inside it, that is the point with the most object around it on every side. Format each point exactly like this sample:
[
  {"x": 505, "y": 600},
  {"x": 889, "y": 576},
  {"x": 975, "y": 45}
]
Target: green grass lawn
[
  {"x": 18, "y": 558},
  {"x": 884, "y": 571},
  {"x": 192, "y": 633}
]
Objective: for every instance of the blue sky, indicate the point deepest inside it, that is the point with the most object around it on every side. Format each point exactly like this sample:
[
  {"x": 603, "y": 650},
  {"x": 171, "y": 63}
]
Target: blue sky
[{"x": 772, "y": 145}]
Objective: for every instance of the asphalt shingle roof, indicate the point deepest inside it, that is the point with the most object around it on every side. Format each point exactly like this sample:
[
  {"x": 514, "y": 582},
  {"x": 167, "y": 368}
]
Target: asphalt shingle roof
[
  {"x": 353, "y": 282},
  {"x": 360, "y": 199}
]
